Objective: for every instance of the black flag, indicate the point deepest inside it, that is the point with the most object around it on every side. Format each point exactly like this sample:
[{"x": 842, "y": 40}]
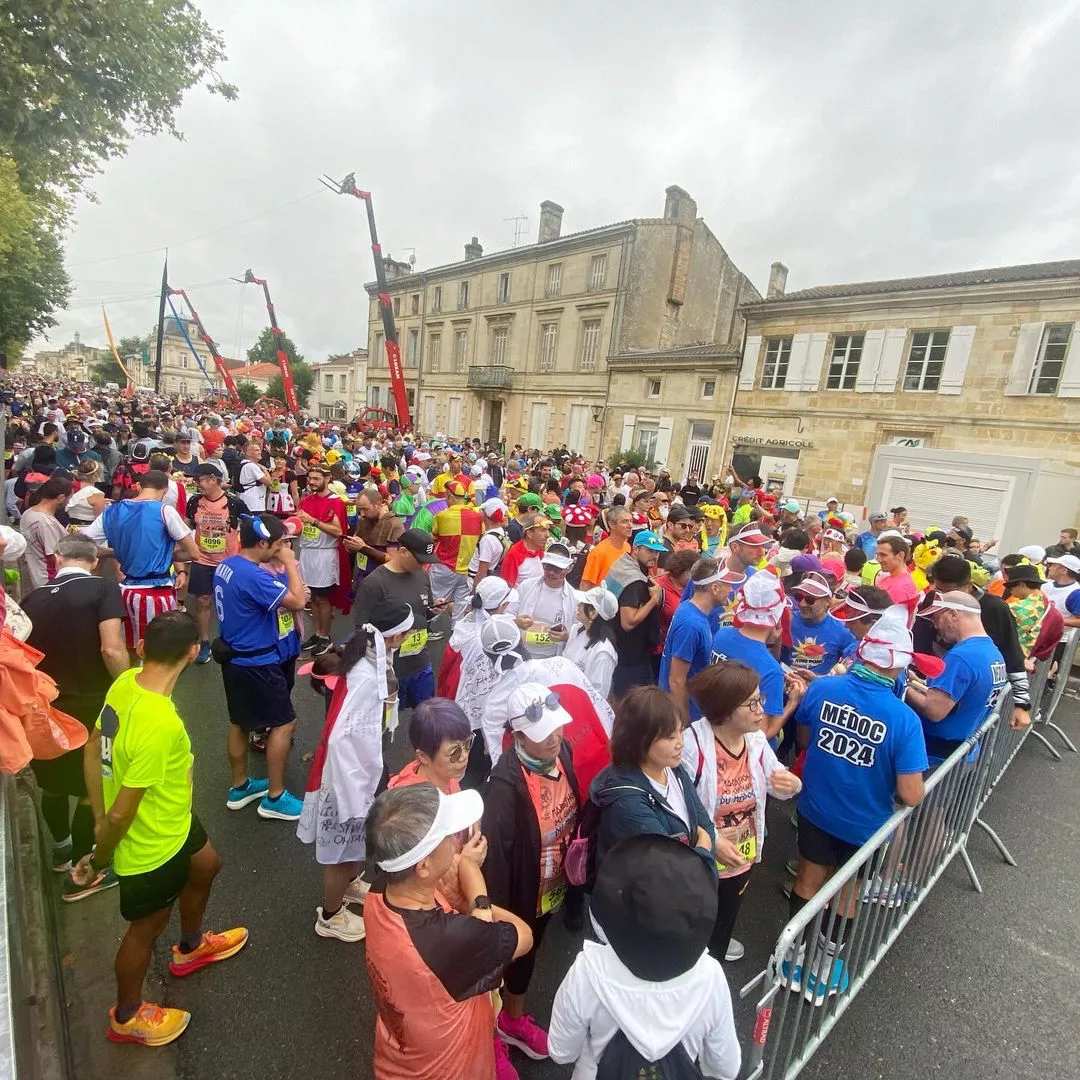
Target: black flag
[{"x": 161, "y": 323}]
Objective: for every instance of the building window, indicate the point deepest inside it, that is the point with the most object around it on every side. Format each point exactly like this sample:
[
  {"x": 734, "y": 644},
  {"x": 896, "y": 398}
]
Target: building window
[
  {"x": 1051, "y": 362},
  {"x": 502, "y": 291},
  {"x": 499, "y": 337},
  {"x": 410, "y": 396},
  {"x": 590, "y": 344},
  {"x": 436, "y": 299},
  {"x": 652, "y": 387},
  {"x": 379, "y": 357},
  {"x": 708, "y": 388},
  {"x": 461, "y": 347},
  {"x": 343, "y": 382},
  {"x": 434, "y": 349},
  {"x": 414, "y": 303},
  {"x": 183, "y": 360},
  {"x": 926, "y": 358},
  {"x": 597, "y": 271},
  {"x": 328, "y": 382},
  {"x": 412, "y": 350},
  {"x": 549, "y": 342},
  {"x": 645, "y": 436},
  {"x": 554, "y": 279},
  {"x": 397, "y": 306},
  {"x": 463, "y": 295},
  {"x": 844, "y": 362},
  {"x": 777, "y": 356}
]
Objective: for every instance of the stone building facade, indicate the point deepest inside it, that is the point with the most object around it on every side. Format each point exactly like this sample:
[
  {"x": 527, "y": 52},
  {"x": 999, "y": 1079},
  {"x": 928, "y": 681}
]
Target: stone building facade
[
  {"x": 339, "y": 391},
  {"x": 982, "y": 361},
  {"x": 549, "y": 343}
]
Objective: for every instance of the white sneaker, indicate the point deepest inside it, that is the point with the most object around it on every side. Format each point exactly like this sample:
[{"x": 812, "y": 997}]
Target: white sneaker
[
  {"x": 345, "y": 925},
  {"x": 357, "y": 891},
  {"x": 735, "y": 950}
]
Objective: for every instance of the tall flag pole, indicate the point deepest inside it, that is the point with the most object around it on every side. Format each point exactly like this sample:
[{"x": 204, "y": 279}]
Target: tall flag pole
[{"x": 161, "y": 323}]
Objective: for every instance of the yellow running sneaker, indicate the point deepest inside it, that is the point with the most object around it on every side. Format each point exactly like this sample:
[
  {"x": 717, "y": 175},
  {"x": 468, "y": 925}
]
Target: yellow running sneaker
[
  {"x": 214, "y": 947},
  {"x": 152, "y": 1025}
]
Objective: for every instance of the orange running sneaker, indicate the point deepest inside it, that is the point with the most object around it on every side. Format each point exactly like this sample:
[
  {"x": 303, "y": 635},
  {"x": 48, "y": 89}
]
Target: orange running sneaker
[
  {"x": 151, "y": 1025},
  {"x": 214, "y": 947}
]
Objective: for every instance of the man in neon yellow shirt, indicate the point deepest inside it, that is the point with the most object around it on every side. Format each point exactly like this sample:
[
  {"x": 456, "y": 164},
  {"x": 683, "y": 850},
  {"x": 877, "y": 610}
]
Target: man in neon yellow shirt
[{"x": 138, "y": 775}]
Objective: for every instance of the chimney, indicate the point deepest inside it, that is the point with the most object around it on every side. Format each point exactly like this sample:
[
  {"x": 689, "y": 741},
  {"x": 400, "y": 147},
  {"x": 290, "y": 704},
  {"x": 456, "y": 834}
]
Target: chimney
[
  {"x": 777, "y": 280},
  {"x": 550, "y": 221},
  {"x": 679, "y": 207},
  {"x": 473, "y": 250}
]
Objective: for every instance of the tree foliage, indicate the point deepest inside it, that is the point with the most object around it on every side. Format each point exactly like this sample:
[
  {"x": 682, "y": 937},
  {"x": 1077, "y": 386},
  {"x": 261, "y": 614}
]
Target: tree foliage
[
  {"x": 78, "y": 80},
  {"x": 304, "y": 379},
  {"x": 248, "y": 392},
  {"x": 106, "y": 369},
  {"x": 264, "y": 351}
]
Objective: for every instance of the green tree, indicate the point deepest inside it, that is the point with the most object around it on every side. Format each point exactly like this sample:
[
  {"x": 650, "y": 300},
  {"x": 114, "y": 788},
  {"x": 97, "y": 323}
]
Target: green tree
[
  {"x": 78, "y": 80},
  {"x": 107, "y": 369},
  {"x": 248, "y": 392},
  {"x": 264, "y": 351},
  {"x": 303, "y": 378}
]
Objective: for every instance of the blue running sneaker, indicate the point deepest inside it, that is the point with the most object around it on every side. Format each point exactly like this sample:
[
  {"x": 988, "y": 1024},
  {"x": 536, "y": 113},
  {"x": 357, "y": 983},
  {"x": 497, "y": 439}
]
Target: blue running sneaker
[
  {"x": 791, "y": 970},
  {"x": 206, "y": 654},
  {"x": 253, "y": 790},
  {"x": 286, "y": 807},
  {"x": 817, "y": 989}
]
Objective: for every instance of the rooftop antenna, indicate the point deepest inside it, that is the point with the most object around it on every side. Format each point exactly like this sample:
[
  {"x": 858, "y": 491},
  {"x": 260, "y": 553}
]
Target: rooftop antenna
[{"x": 521, "y": 227}]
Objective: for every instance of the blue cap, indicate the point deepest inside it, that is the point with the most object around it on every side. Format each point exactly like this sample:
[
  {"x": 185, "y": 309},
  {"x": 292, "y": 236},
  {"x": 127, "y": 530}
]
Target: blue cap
[{"x": 646, "y": 538}]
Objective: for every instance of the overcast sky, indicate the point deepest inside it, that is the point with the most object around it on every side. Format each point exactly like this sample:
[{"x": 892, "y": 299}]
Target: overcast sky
[{"x": 851, "y": 140}]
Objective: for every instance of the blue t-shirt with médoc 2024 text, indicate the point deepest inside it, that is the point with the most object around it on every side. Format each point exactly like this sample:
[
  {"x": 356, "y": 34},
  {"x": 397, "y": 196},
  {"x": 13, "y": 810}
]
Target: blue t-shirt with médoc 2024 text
[
  {"x": 974, "y": 677},
  {"x": 247, "y": 598},
  {"x": 861, "y": 737}
]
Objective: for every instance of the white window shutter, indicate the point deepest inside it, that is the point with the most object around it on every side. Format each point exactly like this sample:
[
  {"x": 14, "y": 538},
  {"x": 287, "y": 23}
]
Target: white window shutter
[
  {"x": 866, "y": 379},
  {"x": 815, "y": 357},
  {"x": 957, "y": 353},
  {"x": 1027, "y": 351},
  {"x": 1070, "y": 374},
  {"x": 663, "y": 438},
  {"x": 800, "y": 343},
  {"x": 892, "y": 352},
  {"x": 748, "y": 369},
  {"x": 627, "y": 439}
]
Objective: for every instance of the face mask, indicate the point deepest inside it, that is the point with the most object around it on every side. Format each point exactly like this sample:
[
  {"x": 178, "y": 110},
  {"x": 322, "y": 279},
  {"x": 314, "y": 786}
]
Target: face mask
[{"x": 664, "y": 511}]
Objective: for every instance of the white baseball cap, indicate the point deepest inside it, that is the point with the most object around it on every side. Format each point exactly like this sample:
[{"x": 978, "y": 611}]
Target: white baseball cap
[
  {"x": 494, "y": 592},
  {"x": 534, "y": 710},
  {"x": 1070, "y": 562},
  {"x": 558, "y": 555},
  {"x": 600, "y": 600}
]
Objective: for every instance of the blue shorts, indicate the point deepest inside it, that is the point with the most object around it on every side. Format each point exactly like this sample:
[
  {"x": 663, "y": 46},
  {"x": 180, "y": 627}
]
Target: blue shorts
[{"x": 416, "y": 688}]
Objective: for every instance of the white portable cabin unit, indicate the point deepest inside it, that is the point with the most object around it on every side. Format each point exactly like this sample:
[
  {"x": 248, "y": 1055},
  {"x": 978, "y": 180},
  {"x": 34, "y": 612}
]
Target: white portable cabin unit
[{"x": 1019, "y": 500}]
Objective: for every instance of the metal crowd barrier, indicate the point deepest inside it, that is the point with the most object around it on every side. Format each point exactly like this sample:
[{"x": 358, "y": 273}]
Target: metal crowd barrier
[
  {"x": 1065, "y": 665},
  {"x": 808, "y": 987}
]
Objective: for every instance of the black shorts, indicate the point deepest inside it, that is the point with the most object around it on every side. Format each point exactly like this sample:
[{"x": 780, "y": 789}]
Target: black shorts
[
  {"x": 201, "y": 579},
  {"x": 822, "y": 848},
  {"x": 62, "y": 775},
  {"x": 260, "y": 697},
  {"x": 322, "y": 590},
  {"x": 144, "y": 894}
]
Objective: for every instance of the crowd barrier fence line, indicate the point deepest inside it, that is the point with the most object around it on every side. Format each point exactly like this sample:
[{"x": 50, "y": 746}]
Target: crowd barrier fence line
[{"x": 808, "y": 984}]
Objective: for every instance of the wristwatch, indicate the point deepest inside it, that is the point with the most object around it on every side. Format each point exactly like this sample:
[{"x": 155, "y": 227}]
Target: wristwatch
[{"x": 482, "y": 903}]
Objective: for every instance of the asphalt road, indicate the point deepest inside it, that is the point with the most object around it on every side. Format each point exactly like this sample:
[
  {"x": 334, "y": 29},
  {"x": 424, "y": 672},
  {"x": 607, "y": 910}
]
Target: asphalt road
[{"x": 980, "y": 986}]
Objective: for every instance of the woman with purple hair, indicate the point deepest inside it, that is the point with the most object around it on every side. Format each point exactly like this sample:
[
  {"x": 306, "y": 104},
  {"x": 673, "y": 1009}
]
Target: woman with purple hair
[{"x": 441, "y": 736}]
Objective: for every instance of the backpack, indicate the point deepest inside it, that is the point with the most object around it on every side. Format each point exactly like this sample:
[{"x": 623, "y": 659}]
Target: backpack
[{"x": 621, "y": 1061}]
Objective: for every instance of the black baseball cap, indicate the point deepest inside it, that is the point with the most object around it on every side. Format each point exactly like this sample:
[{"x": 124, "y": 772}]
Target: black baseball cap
[
  {"x": 206, "y": 469},
  {"x": 419, "y": 544}
]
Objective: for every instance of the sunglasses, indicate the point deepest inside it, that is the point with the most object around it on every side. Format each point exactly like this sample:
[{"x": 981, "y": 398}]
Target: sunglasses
[
  {"x": 460, "y": 749},
  {"x": 535, "y": 711}
]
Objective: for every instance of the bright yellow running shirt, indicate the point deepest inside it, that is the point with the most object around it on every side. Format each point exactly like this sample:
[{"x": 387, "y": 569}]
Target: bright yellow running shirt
[{"x": 144, "y": 744}]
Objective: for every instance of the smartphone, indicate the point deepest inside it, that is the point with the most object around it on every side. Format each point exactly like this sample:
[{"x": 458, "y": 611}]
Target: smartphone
[{"x": 558, "y": 628}]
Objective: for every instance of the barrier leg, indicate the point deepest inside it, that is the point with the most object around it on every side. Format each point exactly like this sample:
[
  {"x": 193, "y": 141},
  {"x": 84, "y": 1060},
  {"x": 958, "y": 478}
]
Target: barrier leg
[
  {"x": 1069, "y": 745},
  {"x": 998, "y": 842},
  {"x": 1036, "y": 734},
  {"x": 976, "y": 884}
]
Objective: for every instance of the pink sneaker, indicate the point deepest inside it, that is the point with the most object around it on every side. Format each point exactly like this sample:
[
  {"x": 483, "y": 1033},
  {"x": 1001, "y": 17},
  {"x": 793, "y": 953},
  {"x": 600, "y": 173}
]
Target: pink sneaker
[
  {"x": 524, "y": 1033},
  {"x": 504, "y": 1067}
]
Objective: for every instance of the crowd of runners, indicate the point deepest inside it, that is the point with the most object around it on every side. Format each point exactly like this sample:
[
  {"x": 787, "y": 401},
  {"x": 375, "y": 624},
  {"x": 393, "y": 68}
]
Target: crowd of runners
[{"x": 604, "y": 674}]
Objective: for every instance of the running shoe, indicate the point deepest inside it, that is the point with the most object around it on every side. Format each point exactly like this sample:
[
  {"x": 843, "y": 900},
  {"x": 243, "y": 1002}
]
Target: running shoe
[
  {"x": 524, "y": 1033},
  {"x": 252, "y": 791},
  {"x": 356, "y": 891},
  {"x": 436, "y": 635},
  {"x": 206, "y": 654},
  {"x": 73, "y": 891},
  {"x": 504, "y": 1067},
  {"x": 310, "y": 643},
  {"x": 286, "y": 807},
  {"x": 345, "y": 925},
  {"x": 322, "y": 645},
  {"x": 792, "y": 970},
  {"x": 61, "y": 856},
  {"x": 151, "y": 1025},
  {"x": 830, "y": 978},
  {"x": 735, "y": 950},
  {"x": 211, "y": 949}
]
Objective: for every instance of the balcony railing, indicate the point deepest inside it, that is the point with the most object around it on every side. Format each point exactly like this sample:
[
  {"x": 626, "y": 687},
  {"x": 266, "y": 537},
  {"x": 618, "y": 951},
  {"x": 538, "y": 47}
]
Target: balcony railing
[{"x": 491, "y": 377}]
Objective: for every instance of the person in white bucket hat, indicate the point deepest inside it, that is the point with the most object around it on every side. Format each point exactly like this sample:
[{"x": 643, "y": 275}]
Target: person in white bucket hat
[{"x": 592, "y": 638}]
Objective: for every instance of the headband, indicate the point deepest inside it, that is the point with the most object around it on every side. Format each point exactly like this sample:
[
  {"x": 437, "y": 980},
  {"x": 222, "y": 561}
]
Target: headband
[{"x": 380, "y": 637}]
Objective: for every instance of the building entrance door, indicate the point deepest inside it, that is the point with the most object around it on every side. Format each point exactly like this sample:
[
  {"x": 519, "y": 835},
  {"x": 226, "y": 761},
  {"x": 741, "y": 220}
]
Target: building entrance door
[{"x": 494, "y": 422}]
